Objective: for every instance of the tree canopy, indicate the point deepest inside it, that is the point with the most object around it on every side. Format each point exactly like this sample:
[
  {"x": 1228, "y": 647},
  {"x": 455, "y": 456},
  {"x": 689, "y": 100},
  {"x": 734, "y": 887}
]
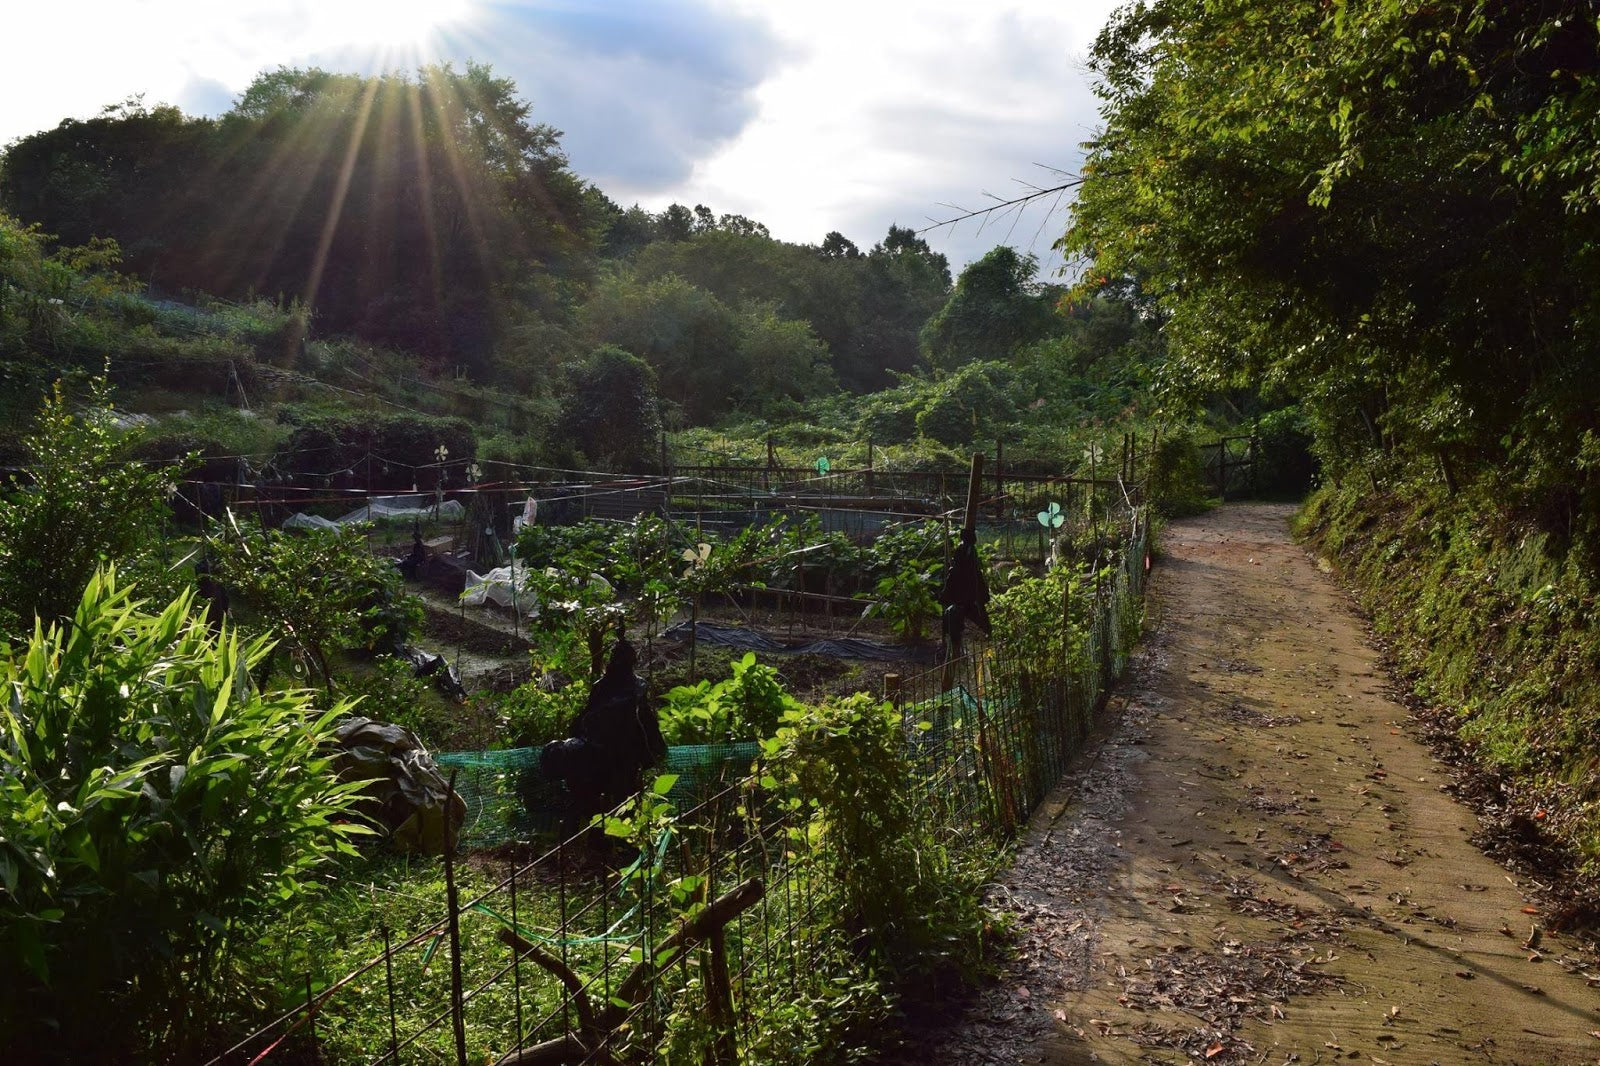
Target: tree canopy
[
  {"x": 394, "y": 205},
  {"x": 1387, "y": 209}
]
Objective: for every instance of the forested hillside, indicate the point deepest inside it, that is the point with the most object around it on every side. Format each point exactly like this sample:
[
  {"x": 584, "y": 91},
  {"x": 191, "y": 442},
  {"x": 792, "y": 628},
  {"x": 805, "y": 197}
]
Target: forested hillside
[
  {"x": 1391, "y": 211},
  {"x": 417, "y": 246}
]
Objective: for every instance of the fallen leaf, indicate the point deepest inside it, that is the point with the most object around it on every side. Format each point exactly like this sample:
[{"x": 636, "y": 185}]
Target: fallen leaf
[{"x": 1214, "y": 1050}]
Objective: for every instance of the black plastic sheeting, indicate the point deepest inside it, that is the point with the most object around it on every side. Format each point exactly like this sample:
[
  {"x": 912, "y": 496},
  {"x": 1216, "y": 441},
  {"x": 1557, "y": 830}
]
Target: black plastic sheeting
[{"x": 833, "y": 647}]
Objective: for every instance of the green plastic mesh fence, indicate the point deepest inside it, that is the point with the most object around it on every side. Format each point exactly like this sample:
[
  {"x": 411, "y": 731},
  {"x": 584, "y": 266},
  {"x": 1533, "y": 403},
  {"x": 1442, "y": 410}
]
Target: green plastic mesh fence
[{"x": 509, "y": 798}]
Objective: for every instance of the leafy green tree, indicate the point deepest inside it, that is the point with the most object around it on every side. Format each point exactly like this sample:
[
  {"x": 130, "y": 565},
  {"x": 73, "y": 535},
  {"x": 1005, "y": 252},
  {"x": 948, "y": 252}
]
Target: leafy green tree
[
  {"x": 688, "y": 336},
  {"x": 996, "y": 308},
  {"x": 837, "y": 246},
  {"x": 155, "y": 810},
  {"x": 784, "y": 361},
  {"x": 77, "y": 506},
  {"x": 902, "y": 283},
  {"x": 1386, "y": 210},
  {"x": 972, "y": 404},
  {"x": 394, "y": 205},
  {"x": 318, "y": 591},
  {"x": 612, "y": 412}
]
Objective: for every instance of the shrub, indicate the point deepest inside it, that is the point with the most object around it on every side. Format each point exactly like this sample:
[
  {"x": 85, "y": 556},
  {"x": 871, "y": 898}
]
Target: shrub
[
  {"x": 78, "y": 507},
  {"x": 1177, "y": 484},
  {"x": 322, "y": 590},
  {"x": 908, "y": 899},
  {"x": 747, "y": 706},
  {"x": 154, "y": 807}
]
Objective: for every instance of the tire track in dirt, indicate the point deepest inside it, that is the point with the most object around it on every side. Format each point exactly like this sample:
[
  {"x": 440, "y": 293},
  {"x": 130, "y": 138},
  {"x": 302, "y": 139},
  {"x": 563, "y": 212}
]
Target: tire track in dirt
[{"x": 1256, "y": 863}]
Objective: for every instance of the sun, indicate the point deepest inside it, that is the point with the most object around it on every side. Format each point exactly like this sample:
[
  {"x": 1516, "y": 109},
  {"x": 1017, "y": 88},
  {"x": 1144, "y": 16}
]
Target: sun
[{"x": 393, "y": 26}]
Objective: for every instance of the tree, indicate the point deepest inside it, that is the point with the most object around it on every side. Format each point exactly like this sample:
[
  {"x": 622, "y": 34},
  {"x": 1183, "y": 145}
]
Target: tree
[
  {"x": 996, "y": 309},
  {"x": 395, "y": 205},
  {"x": 1388, "y": 210},
  {"x": 837, "y": 246},
  {"x": 903, "y": 282},
  {"x": 612, "y": 413},
  {"x": 969, "y": 405},
  {"x": 77, "y": 507},
  {"x": 687, "y": 336},
  {"x": 315, "y": 590},
  {"x": 784, "y": 361}
]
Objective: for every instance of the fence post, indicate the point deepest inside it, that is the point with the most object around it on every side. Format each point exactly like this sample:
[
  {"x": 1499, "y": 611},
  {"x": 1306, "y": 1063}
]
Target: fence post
[
  {"x": 999, "y": 482},
  {"x": 458, "y": 1021},
  {"x": 970, "y": 524},
  {"x": 388, "y": 984}
]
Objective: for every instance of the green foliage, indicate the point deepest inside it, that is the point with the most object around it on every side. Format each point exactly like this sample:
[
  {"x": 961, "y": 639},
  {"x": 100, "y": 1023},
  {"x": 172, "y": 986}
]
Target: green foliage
[
  {"x": 1386, "y": 211},
  {"x": 318, "y": 590},
  {"x": 390, "y": 692},
  {"x": 1494, "y": 620},
  {"x": 611, "y": 414},
  {"x": 905, "y": 601},
  {"x": 536, "y": 714},
  {"x": 970, "y": 405},
  {"x": 996, "y": 309},
  {"x": 1043, "y": 619},
  {"x": 394, "y": 450},
  {"x": 909, "y": 900},
  {"x": 155, "y": 808},
  {"x": 1177, "y": 483},
  {"x": 376, "y": 238},
  {"x": 747, "y": 706},
  {"x": 78, "y": 507}
]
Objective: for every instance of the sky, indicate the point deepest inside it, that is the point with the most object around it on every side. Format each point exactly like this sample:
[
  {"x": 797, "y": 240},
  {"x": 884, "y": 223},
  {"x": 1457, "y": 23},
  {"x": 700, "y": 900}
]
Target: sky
[{"x": 811, "y": 116}]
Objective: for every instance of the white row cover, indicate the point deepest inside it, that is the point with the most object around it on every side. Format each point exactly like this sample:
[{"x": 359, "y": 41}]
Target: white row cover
[{"x": 384, "y": 509}]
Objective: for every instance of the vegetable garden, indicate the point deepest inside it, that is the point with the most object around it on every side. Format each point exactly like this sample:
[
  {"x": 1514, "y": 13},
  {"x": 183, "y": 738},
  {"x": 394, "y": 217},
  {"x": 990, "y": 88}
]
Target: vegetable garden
[{"x": 793, "y": 874}]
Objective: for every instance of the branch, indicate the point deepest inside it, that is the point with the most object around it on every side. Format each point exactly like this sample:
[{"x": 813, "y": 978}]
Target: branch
[{"x": 1002, "y": 205}]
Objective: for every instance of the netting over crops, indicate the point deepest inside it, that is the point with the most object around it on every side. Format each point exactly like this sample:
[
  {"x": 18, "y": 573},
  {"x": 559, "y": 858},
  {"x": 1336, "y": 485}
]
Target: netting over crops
[{"x": 509, "y": 797}]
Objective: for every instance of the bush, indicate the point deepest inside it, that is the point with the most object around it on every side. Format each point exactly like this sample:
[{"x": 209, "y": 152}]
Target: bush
[
  {"x": 905, "y": 896},
  {"x": 322, "y": 590},
  {"x": 154, "y": 808},
  {"x": 1177, "y": 484},
  {"x": 747, "y": 706},
  {"x": 79, "y": 507}
]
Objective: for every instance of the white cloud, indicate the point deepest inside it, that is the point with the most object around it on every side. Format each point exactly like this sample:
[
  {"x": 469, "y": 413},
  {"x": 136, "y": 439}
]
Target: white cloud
[{"x": 893, "y": 109}]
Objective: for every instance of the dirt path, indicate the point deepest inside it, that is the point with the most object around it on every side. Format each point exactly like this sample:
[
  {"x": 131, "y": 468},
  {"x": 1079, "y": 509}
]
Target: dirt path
[{"x": 1258, "y": 864}]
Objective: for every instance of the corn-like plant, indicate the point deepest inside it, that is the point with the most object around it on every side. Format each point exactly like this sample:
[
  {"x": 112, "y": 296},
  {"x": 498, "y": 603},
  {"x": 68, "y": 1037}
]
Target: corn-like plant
[{"x": 154, "y": 807}]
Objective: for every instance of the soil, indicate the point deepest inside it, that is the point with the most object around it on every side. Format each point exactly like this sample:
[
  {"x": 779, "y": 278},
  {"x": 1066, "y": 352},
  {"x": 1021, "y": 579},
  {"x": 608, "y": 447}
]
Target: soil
[{"x": 1259, "y": 861}]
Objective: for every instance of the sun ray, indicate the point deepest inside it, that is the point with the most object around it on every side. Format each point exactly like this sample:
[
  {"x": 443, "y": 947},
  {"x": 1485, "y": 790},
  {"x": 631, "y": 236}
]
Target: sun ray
[
  {"x": 425, "y": 191},
  {"x": 330, "y": 223}
]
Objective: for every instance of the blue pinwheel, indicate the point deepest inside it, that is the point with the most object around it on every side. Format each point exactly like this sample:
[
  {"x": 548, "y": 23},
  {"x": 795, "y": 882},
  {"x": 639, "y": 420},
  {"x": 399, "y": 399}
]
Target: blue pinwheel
[{"x": 1051, "y": 517}]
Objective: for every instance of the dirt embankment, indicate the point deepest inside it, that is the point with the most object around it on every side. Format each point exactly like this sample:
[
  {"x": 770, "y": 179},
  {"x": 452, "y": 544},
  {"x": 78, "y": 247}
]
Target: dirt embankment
[{"x": 1259, "y": 863}]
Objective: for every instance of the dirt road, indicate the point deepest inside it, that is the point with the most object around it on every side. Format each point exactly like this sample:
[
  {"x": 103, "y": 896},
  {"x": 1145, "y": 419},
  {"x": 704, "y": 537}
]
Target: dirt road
[{"x": 1258, "y": 864}]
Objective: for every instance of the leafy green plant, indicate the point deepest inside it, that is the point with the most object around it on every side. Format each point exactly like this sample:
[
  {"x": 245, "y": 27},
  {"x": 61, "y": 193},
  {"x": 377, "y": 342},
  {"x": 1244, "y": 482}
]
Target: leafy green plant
[
  {"x": 78, "y": 507},
  {"x": 155, "y": 807},
  {"x": 747, "y": 706},
  {"x": 908, "y": 899},
  {"x": 906, "y": 602},
  {"x": 321, "y": 590}
]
